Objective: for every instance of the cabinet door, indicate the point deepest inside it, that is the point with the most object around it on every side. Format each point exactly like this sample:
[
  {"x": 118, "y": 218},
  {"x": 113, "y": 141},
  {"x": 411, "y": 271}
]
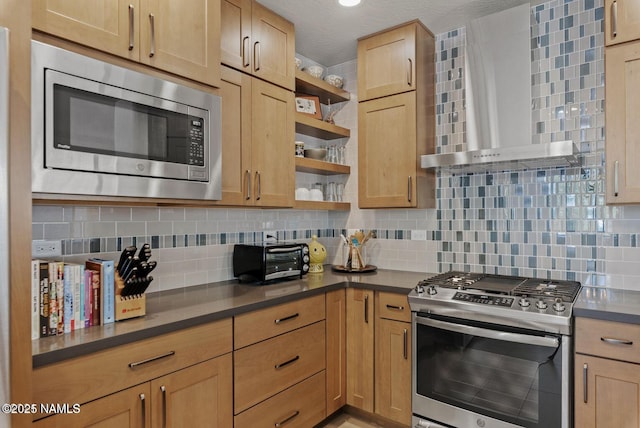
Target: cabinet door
[
  {"x": 182, "y": 38},
  {"x": 622, "y": 21},
  {"x": 387, "y": 152},
  {"x": 393, "y": 370},
  {"x": 622, "y": 107},
  {"x": 235, "y": 90},
  {"x": 360, "y": 349},
  {"x": 272, "y": 142},
  {"x": 336, "y": 312},
  {"x": 273, "y": 47},
  {"x": 235, "y": 34},
  {"x": 109, "y": 26},
  {"x": 198, "y": 396},
  {"x": 607, "y": 393},
  {"x": 387, "y": 63},
  {"x": 125, "y": 409}
]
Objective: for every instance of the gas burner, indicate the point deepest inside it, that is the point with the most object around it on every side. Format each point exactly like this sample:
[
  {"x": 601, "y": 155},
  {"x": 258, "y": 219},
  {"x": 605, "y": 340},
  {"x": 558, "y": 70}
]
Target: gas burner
[{"x": 565, "y": 290}]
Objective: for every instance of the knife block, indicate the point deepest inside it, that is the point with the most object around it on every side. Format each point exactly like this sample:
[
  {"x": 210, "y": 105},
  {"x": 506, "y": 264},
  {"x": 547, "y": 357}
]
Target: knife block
[{"x": 128, "y": 306}]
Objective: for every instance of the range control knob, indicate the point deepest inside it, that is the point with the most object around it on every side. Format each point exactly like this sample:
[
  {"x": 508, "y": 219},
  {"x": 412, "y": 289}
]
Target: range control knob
[
  {"x": 432, "y": 290},
  {"x": 541, "y": 304},
  {"x": 559, "y": 306},
  {"x": 419, "y": 289},
  {"x": 524, "y": 302}
]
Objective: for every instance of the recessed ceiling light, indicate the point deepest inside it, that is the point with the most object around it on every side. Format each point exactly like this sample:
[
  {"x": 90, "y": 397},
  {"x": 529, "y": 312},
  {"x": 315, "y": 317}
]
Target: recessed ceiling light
[{"x": 349, "y": 3}]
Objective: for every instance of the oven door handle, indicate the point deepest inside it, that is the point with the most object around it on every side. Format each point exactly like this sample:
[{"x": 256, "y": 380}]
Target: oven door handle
[{"x": 547, "y": 341}]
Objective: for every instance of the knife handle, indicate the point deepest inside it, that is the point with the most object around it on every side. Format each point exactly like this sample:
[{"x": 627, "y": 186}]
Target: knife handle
[{"x": 145, "y": 253}]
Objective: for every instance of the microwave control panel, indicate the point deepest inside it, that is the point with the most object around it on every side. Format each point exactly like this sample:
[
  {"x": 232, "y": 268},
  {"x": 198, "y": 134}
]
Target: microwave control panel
[{"x": 196, "y": 139}]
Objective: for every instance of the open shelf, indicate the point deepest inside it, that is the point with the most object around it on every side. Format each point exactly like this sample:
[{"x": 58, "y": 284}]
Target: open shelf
[
  {"x": 314, "y": 166},
  {"x": 309, "y": 85},
  {"x": 322, "y": 205},
  {"x": 313, "y": 127}
]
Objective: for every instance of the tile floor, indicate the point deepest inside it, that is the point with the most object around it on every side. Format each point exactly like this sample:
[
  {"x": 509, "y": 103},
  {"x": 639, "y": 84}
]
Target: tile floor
[{"x": 345, "y": 420}]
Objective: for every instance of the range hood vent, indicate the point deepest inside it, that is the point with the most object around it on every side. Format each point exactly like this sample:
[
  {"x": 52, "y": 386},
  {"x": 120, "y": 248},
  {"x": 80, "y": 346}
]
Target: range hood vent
[{"x": 497, "y": 101}]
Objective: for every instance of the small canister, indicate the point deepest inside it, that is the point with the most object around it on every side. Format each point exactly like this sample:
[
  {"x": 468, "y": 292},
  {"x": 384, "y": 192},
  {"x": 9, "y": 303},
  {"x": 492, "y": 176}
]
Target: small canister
[{"x": 300, "y": 149}]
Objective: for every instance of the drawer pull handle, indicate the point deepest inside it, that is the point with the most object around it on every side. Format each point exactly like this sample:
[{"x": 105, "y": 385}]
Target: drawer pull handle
[
  {"x": 585, "y": 373},
  {"x": 287, "y": 419},
  {"x": 395, "y": 307},
  {"x": 405, "y": 337},
  {"x": 148, "y": 360},
  {"x": 164, "y": 406},
  {"x": 245, "y": 51},
  {"x": 131, "y": 26},
  {"x": 286, "y": 363},
  {"x": 290, "y": 317},
  {"x": 614, "y": 19},
  {"x": 144, "y": 410},
  {"x": 256, "y": 56},
  {"x": 152, "y": 29},
  {"x": 615, "y": 341},
  {"x": 366, "y": 309}
]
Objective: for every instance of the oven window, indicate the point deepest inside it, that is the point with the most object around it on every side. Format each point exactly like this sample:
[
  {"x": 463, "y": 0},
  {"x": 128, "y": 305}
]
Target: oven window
[
  {"x": 282, "y": 261},
  {"x": 514, "y": 382},
  {"x": 95, "y": 123}
]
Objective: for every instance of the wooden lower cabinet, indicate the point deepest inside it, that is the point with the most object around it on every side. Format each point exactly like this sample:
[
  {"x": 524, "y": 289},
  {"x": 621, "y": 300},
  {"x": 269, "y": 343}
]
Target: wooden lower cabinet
[
  {"x": 393, "y": 370},
  {"x": 360, "y": 333},
  {"x": 125, "y": 409},
  {"x": 301, "y": 406},
  {"x": 197, "y": 396},
  {"x": 607, "y": 393},
  {"x": 336, "y": 342}
]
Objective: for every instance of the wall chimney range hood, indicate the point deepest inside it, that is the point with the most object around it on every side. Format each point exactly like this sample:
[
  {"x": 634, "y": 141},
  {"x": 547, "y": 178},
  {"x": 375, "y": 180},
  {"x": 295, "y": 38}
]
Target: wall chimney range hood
[{"x": 498, "y": 101}]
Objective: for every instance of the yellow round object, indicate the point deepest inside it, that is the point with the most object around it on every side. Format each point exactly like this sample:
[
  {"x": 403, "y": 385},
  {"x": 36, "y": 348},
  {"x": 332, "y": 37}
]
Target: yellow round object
[{"x": 317, "y": 255}]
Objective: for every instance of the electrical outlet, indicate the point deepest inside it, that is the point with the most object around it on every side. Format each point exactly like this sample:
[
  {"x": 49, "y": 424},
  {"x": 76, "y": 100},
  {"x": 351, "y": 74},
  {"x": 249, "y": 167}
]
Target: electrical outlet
[
  {"x": 269, "y": 236},
  {"x": 49, "y": 248},
  {"x": 418, "y": 235}
]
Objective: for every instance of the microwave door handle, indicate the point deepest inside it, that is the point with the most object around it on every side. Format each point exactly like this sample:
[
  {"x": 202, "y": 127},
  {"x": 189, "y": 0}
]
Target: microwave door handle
[{"x": 546, "y": 341}]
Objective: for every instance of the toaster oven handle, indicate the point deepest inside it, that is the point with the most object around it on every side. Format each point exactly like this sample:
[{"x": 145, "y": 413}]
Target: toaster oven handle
[
  {"x": 282, "y": 250},
  {"x": 547, "y": 341}
]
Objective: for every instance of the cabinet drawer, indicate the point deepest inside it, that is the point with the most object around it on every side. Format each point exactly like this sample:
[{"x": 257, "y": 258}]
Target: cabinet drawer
[
  {"x": 82, "y": 379},
  {"x": 393, "y": 306},
  {"x": 300, "y": 406},
  {"x": 268, "y": 367},
  {"x": 608, "y": 339},
  {"x": 266, "y": 323}
]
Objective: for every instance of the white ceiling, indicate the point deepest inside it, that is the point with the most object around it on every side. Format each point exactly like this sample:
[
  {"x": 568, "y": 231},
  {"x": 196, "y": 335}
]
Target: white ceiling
[{"x": 327, "y": 32}]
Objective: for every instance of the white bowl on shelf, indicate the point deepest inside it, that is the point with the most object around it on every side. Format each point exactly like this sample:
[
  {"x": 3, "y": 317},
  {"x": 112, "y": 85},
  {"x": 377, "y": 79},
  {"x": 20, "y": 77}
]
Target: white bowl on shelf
[
  {"x": 314, "y": 70},
  {"x": 298, "y": 62},
  {"x": 334, "y": 80}
]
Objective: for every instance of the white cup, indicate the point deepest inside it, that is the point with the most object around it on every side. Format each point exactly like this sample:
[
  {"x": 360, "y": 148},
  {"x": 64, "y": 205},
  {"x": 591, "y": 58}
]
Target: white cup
[
  {"x": 302, "y": 194},
  {"x": 316, "y": 195}
]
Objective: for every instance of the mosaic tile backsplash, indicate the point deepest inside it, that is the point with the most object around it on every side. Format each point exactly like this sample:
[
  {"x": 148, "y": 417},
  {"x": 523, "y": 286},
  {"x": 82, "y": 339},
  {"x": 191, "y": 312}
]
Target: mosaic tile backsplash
[{"x": 548, "y": 223}]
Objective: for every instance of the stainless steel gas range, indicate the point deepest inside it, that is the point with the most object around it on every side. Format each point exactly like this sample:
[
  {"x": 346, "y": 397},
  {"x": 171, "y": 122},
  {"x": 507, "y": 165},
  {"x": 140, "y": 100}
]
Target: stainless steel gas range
[{"x": 492, "y": 351}]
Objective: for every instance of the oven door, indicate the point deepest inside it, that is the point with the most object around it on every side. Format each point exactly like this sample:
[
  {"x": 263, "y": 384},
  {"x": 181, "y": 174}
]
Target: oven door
[{"x": 468, "y": 373}]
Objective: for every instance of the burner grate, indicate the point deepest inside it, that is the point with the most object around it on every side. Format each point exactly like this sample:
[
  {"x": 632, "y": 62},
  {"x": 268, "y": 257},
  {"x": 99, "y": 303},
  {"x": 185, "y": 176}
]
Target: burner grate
[{"x": 566, "y": 290}]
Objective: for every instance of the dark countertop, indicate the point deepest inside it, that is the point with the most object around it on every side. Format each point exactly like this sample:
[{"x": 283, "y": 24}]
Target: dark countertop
[
  {"x": 168, "y": 311},
  {"x": 609, "y": 304}
]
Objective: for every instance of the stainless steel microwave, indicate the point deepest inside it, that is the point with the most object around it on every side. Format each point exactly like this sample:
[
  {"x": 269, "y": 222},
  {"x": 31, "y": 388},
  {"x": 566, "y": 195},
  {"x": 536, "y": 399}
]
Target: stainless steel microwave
[{"x": 100, "y": 129}]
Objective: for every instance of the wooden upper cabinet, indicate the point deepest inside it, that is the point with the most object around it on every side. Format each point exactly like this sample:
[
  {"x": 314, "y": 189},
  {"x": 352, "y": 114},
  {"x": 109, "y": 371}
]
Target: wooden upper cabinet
[
  {"x": 622, "y": 21},
  {"x": 177, "y": 37},
  {"x": 257, "y": 142},
  {"x": 259, "y": 42},
  {"x": 110, "y": 26},
  {"x": 622, "y": 110},
  {"x": 272, "y": 138},
  {"x": 393, "y": 61},
  {"x": 388, "y": 154},
  {"x": 182, "y": 37},
  {"x": 235, "y": 90}
]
